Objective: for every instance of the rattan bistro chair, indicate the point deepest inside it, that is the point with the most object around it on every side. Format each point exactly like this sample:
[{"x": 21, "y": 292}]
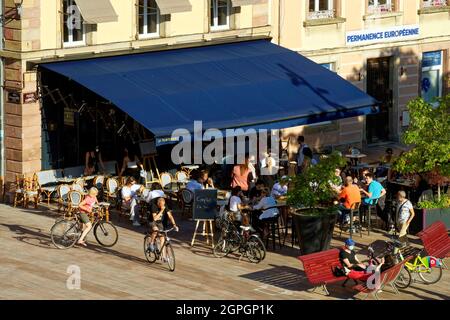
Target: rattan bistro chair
[
  {"x": 75, "y": 199},
  {"x": 165, "y": 179},
  {"x": 62, "y": 192},
  {"x": 31, "y": 192},
  {"x": 19, "y": 190},
  {"x": 112, "y": 186}
]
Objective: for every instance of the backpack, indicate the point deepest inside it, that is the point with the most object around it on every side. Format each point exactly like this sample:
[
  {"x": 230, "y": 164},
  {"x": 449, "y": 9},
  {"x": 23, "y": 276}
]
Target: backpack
[{"x": 338, "y": 272}]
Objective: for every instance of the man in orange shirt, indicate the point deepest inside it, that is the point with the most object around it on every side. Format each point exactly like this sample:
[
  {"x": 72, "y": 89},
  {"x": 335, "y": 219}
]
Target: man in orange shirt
[{"x": 349, "y": 195}]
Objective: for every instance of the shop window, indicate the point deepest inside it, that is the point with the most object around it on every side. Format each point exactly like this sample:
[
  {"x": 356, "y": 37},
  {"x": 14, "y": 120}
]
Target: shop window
[
  {"x": 380, "y": 6},
  {"x": 220, "y": 14},
  {"x": 321, "y": 9},
  {"x": 148, "y": 19},
  {"x": 434, "y": 3},
  {"x": 74, "y": 30},
  {"x": 432, "y": 69}
]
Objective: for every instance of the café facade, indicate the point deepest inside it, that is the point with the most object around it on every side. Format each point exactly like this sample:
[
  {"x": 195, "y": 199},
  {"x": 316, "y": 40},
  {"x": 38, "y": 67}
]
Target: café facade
[{"x": 136, "y": 70}]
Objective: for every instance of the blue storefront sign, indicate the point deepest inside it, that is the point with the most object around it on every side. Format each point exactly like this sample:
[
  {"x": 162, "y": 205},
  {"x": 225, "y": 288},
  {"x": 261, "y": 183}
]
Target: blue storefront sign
[
  {"x": 361, "y": 37},
  {"x": 431, "y": 59}
]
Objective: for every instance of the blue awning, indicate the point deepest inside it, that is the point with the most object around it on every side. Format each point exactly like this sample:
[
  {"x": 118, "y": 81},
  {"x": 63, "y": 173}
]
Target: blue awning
[{"x": 251, "y": 84}]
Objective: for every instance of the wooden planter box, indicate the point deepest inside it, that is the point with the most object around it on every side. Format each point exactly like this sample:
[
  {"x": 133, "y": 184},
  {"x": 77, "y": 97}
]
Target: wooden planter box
[{"x": 425, "y": 217}]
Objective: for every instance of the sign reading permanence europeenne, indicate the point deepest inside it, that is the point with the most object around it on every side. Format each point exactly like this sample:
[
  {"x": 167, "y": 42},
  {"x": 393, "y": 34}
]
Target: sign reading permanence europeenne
[{"x": 356, "y": 38}]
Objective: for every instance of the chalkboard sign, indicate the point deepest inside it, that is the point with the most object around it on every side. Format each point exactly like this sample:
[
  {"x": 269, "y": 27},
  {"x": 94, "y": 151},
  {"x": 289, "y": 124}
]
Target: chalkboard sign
[{"x": 205, "y": 204}]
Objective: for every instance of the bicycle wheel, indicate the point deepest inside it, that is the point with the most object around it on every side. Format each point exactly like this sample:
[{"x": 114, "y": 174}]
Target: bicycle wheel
[
  {"x": 259, "y": 244},
  {"x": 170, "y": 257},
  {"x": 149, "y": 255},
  {"x": 221, "y": 249},
  {"x": 106, "y": 234},
  {"x": 65, "y": 233},
  {"x": 403, "y": 280},
  {"x": 253, "y": 253},
  {"x": 429, "y": 275}
]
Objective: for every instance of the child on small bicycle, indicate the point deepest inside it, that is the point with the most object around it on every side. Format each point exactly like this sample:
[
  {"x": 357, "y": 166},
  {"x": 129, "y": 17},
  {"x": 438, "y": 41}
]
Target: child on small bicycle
[
  {"x": 161, "y": 217},
  {"x": 86, "y": 206}
]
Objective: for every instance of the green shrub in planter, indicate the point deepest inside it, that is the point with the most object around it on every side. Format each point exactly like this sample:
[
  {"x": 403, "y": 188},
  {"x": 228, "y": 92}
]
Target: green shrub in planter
[{"x": 311, "y": 193}]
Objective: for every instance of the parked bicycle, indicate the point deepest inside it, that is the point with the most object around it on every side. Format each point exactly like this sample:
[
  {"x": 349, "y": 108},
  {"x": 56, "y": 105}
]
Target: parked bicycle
[
  {"x": 162, "y": 252},
  {"x": 429, "y": 269},
  {"x": 66, "y": 232},
  {"x": 247, "y": 243}
]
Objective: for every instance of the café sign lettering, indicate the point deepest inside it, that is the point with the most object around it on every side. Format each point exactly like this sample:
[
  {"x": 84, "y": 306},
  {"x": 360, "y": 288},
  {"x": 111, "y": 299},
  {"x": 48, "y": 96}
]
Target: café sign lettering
[{"x": 361, "y": 37}]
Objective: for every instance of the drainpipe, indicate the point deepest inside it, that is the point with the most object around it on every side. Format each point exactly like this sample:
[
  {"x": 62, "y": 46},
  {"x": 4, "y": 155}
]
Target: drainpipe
[{"x": 2, "y": 135}]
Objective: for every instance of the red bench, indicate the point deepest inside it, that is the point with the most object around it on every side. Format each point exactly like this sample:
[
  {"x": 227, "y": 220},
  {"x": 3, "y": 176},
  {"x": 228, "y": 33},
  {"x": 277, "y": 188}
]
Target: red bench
[
  {"x": 319, "y": 268},
  {"x": 436, "y": 240},
  {"x": 387, "y": 277}
]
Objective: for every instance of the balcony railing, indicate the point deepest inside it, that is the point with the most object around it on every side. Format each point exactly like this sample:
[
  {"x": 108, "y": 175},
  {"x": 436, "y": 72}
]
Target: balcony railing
[
  {"x": 323, "y": 14},
  {"x": 380, "y": 9},
  {"x": 434, "y": 3}
]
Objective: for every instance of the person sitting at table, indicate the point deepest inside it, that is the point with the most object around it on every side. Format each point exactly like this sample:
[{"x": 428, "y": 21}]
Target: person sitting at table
[
  {"x": 349, "y": 195},
  {"x": 155, "y": 191},
  {"x": 93, "y": 162},
  {"x": 255, "y": 192},
  {"x": 240, "y": 175},
  {"x": 196, "y": 182},
  {"x": 207, "y": 181},
  {"x": 86, "y": 207},
  {"x": 374, "y": 192},
  {"x": 129, "y": 200},
  {"x": 388, "y": 157},
  {"x": 263, "y": 210},
  {"x": 280, "y": 188},
  {"x": 235, "y": 203}
]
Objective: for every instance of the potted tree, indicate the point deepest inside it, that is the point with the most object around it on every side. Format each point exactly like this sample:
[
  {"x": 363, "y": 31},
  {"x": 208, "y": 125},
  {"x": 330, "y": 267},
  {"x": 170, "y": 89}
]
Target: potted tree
[
  {"x": 429, "y": 138},
  {"x": 313, "y": 197}
]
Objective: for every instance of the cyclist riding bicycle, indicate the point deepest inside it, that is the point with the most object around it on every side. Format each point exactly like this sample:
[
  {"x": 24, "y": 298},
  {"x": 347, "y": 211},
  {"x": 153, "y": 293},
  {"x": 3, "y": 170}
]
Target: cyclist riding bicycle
[
  {"x": 161, "y": 216},
  {"x": 86, "y": 207}
]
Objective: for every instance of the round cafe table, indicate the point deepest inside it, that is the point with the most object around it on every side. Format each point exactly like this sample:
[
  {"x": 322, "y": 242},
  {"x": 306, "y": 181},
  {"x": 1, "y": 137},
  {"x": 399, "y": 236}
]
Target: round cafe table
[{"x": 190, "y": 168}]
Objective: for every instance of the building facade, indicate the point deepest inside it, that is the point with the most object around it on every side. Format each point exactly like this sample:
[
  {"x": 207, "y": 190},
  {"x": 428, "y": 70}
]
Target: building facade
[
  {"x": 38, "y": 30},
  {"x": 393, "y": 49}
]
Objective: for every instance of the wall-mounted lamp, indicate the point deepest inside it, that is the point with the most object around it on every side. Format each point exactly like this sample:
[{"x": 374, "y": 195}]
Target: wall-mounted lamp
[{"x": 12, "y": 13}]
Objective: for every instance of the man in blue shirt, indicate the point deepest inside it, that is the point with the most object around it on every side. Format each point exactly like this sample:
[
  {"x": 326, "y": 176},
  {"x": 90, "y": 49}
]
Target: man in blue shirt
[
  {"x": 374, "y": 192},
  {"x": 196, "y": 183}
]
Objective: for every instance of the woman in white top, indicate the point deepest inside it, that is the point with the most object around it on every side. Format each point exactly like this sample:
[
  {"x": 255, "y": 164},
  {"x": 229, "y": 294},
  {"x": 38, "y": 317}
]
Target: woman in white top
[
  {"x": 235, "y": 204},
  {"x": 265, "y": 209}
]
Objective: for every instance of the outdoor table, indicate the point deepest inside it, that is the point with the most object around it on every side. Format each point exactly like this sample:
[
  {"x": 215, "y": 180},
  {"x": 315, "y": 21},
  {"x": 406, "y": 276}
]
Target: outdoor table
[
  {"x": 407, "y": 184},
  {"x": 65, "y": 180},
  {"x": 355, "y": 158}
]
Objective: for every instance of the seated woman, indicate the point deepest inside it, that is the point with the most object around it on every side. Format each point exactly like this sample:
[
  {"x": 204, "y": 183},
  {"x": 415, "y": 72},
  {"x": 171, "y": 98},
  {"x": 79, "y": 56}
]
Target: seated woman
[
  {"x": 235, "y": 203},
  {"x": 129, "y": 200},
  {"x": 264, "y": 210},
  {"x": 280, "y": 188},
  {"x": 86, "y": 207},
  {"x": 354, "y": 269}
]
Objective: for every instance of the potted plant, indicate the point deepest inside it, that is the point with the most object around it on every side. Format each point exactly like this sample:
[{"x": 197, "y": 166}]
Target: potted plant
[
  {"x": 312, "y": 195},
  {"x": 430, "y": 211},
  {"x": 429, "y": 137}
]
